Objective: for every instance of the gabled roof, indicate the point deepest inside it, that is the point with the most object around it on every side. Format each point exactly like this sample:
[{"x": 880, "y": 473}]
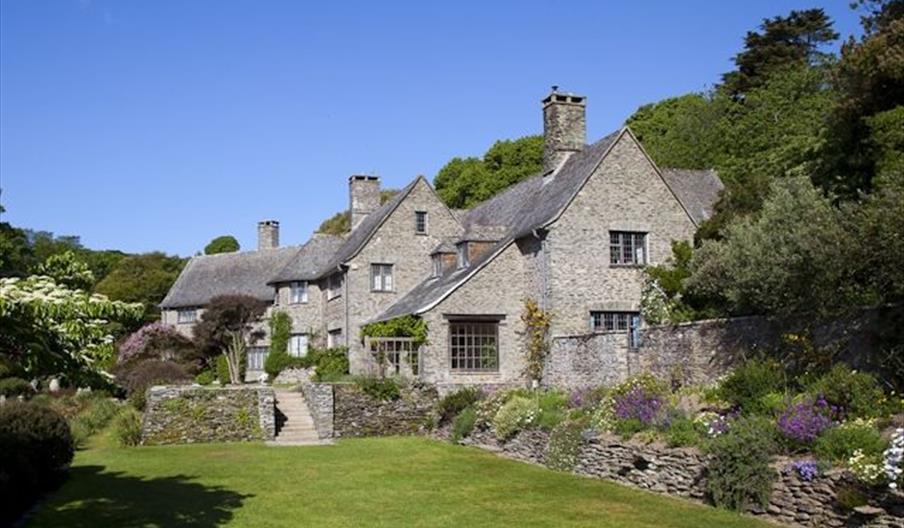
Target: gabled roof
[
  {"x": 697, "y": 190},
  {"x": 309, "y": 260},
  {"x": 361, "y": 234},
  {"x": 209, "y": 276}
]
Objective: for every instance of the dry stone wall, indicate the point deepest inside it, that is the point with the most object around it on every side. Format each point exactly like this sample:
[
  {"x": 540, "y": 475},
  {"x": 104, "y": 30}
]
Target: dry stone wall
[
  {"x": 319, "y": 397},
  {"x": 358, "y": 414},
  {"x": 185, "y": 415}
]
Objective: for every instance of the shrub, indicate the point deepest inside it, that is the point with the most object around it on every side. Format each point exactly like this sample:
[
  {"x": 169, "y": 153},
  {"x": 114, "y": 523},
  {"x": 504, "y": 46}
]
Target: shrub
[
  {"x": 639, "y": 404},
  {"x": 453, "y": 403},
  {"x": 137, "y": 376},
  {"x": 515, "y": 414},
  {"x": 15, "y": 387},
  {"x": 127, "y": 427},
  {"x": 553, "y": 406},
  {"x": 803, "y": 422},
  {"x": 839, "y": 443},
  {"x": 849, "y": 497},
  {"x": 223, "y": 370},
  {"x": 206, "y": 377},
  {"x": 565, "y": 444},
  {"x": 746, "y": 387},
  {"x": 628, "y": 428},
  {"x": 856, "y": 394},
  {"x": 383, "y": 389},
  {"x": 329, "y": 364},
  {"x": 739, "y": 471},
  {"x": 868, "y": 469},
  {"x": 96, "y": 415},
  {"x": 35, "y": 449},
  {"x": 155, "y": 341},
  {"x": 463, "y": 425},
  {"x": 682, "y": 432},
  {"x": 275, "y": 363}
]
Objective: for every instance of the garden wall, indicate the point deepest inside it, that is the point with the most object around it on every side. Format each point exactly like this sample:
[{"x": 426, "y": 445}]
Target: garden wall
[
  {"x": 319, "y": 397},
  {"x": 358, "y": 414},
  {"x": 682, "y": 472},
  {"x": 190, "y": 414}
]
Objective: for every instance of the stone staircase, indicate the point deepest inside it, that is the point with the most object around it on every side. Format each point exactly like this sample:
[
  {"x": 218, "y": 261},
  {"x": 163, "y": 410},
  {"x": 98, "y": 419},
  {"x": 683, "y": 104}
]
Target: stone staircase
[{"x": 294, "y": 425}]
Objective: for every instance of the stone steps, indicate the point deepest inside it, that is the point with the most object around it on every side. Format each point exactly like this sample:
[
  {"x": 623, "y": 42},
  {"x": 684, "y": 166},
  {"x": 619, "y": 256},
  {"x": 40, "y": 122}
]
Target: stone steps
[{"x": 298, "y": 428}]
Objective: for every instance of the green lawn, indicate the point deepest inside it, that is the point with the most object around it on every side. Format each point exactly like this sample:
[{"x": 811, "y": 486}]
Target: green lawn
[{"x": 368, "y": 482}]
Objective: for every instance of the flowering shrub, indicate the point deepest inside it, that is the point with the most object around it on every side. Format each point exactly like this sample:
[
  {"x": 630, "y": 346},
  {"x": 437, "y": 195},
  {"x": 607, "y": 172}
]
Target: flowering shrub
[
  {"x": 713, "y": 423},
  {"x": 639, "y": 404},
  {"x": 803, "y": 422},
  {"x": 739, "y": 467},
  {"x": 839, "y": 443},
  {"x": 516, "y": 414},
  {"x": 603, "y": 417},
  {"x": 867, "y": 468},
  {"x": 155, "y": 340},
  {"x": 893, "y": 458},
  {"x": 565, "y": 443},
  {"x": 807, "y": 469}
]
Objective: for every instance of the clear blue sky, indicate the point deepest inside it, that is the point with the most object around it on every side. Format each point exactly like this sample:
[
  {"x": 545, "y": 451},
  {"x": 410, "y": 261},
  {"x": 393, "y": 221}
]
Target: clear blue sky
[{"x": 158, "y": 125}]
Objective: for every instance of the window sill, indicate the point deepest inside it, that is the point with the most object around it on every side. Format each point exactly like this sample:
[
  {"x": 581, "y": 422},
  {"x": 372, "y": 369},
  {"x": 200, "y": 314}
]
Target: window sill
[
  {"x": 297, "y": 303},
  {"x": 382, "y": 291},
  {"x": 628, "y": 266},
  {"x": 475, "y": 372},
  {"x": 333, "y": 298},
  {"x": 609, "y": 332}
]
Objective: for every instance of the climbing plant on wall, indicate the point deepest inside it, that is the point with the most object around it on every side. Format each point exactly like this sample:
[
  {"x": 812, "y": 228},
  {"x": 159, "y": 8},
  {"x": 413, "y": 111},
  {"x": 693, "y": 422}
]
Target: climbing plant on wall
[{"x": 536, "y": 322}]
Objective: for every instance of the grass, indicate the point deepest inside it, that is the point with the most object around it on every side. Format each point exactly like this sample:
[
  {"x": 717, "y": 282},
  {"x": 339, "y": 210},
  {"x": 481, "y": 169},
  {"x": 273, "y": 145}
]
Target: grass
[{"x": 366, "y": 482}]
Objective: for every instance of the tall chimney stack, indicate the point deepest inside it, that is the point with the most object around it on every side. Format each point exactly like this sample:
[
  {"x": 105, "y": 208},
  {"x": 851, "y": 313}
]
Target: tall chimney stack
[
  {"x": 267, "y": 235},
  {"x": 363, "y": 197},
  {"x": 564, "y": 127}
]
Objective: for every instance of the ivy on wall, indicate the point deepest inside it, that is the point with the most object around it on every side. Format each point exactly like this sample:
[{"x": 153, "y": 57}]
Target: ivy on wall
[{"x": 405, "y": 326}]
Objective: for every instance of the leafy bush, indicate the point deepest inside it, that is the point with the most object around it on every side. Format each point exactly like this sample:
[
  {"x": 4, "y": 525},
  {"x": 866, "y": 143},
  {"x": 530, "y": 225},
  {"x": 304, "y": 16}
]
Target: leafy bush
[
  {"x": 383, "y": 389},
  {"x": 463, "y": 425},
  {"x": 136, "y": 376},
  {"x": 223, "y": 370},
  {"x": 849, "y": 497},
  {"x": 739, "y": 469},
  {"x": 839, "y": 443},
  {"x": 36, "y": 447},
  {"x": 206, "y": 377},
  {"x": 515, "y": 414},
  {"x": 329, "y": 364},
  {"x": 553, "y": 407},
  {"x": 748, "y": 384},
  {"x": 804, "y": 421},
  {"x": 127, "y": 427},
  {"x": 96, "y": 415},
  {"x": 683, "y": 432},
  {"x": 856, "y": 394},
  {"x": 565, "y": 443},
  {"x": 15, "y": 387},
  {"x": 453, "y": 403},
  {"x": 156, "y": 341},
  {"x": 627, "y": 428}
]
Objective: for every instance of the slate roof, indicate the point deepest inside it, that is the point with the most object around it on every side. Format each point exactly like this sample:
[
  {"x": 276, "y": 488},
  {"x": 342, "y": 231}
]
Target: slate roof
[
  {"x": 537, "y": 202},
  {"x": 697, "y": 190},
  {"x": 308, "y": 261},
  {"x": 209, "y": 276}
]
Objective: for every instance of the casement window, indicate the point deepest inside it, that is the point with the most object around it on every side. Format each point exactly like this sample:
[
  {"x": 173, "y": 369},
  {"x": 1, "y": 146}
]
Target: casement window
[
  {"x": 617, "y": 323},
  {"x": 334, "y": 338},
  {"x": 298, "y": 292},
  {"x": 257, "y": 356},
  {"x": 627, "y": 248},
  {"x": 437, "y": 265},
  {"x": 420, "y": 222},
  {"x": 186, "y": 315},
  {"x": 463, "y": 260},
  {"x": 381, "y": 277},
  {"x": 334, "y": 286},
  {"x": 298, "y": 345},
  {"x": 473, "y": 346}
]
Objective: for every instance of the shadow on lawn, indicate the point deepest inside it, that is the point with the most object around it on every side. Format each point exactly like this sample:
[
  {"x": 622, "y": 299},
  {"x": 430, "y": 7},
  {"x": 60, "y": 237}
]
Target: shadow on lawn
[{"x": 115, "y": 499}]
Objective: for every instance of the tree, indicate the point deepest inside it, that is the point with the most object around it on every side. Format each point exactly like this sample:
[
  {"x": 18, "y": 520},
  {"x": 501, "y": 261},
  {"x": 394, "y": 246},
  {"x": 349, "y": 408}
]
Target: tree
[
  {"x": 793, "y": 41},
  {"x": 16, "y": 254},
  {"x": 340, "y": 223},
  {"x": 462, "y": 183},
  {"x": 142, "y": 278},
  {"x": 222, "y": 244},
  {"x": 225, "y": 327},
  {"x": 67, "y": 270},
  {"x": 49, "y": 329}
]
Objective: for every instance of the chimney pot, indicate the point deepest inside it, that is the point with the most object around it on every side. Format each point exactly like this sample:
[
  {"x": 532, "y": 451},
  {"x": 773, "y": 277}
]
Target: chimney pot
[{"x": 363, "y": 197}]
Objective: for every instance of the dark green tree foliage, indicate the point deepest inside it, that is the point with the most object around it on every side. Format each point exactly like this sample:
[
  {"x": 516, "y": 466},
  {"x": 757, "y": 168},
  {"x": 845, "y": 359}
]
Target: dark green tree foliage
[
  {"x": 16, "y": 254},
  {"x": 462, "y": 183},
  {"x": 142, "y": 278},
  {"x": 340, "y": 223},
  {"x": 223, "y": 316},
  {"x": 680, "y": 132},
  {"x": 222, "y": 244},
  {"x": 794, "y": 40}
]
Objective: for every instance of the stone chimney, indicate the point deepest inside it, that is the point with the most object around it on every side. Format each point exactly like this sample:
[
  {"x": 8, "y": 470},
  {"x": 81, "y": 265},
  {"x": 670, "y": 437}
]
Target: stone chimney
[
  {"x": 564, "y": 127},
  {"x": 363, "y": 197},
  {"x": 267, "y": 235}
]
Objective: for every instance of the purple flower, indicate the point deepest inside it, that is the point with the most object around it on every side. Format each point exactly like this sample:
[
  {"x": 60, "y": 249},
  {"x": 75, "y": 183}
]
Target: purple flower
[
  {"x": 154, "y": 339},
  {"x": 807, "y": 469},
  {"x": 640, "y": 404},
  {"x": 804, "y": 421}
]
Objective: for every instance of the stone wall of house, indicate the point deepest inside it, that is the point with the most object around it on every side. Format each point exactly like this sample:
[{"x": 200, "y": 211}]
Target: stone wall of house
[
  {"x": 319, "y": 397},
  {"x": 682, "y": 472},
  {"x": 358, "y": 414},
  {"x": 191, "y": 414},
  {"x": 307, "y": 317}
]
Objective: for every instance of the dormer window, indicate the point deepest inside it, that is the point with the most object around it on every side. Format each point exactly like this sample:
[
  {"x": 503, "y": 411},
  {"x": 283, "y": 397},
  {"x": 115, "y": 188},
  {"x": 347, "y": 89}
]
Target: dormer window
[
  {"x": 463, "y": 260},
  {"x": 420, "y": 222},
  {"x": 437, "y": 264}
]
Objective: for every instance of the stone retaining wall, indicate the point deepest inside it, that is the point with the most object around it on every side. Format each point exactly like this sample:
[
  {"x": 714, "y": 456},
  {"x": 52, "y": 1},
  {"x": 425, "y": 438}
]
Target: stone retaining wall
[
  {"x": 319, "y": 397},
  {"x": 191, "y": 414},
  {"x": 358, "y": 414},
  {"x": 682, "y": 472}
]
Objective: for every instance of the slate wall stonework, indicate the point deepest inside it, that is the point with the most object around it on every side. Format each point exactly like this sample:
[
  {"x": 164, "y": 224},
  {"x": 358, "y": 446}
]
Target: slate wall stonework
[
  {"x": 358, "y": 414},
  {"x": 191, "y": 414},
  {"x": 682, "y": 472},
  {"x": 319, "y": 397}
]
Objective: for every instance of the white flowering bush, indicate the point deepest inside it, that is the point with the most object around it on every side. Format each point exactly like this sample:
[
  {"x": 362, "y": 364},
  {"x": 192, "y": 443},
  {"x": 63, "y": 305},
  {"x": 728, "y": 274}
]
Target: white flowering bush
[
  {"x": 866, "y": 468},
  {"x": 654, "y": 304},
  {"x": 516, "y": 414},
  {"x": 50, "y": 329},
  {"x": 603, "y": 418},
  {"x": 893, "y": 458}
]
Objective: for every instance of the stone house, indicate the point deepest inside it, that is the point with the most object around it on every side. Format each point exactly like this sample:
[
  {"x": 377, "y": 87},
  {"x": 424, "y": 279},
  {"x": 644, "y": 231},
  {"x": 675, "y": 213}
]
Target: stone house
[{"x": 574, "y": 237}]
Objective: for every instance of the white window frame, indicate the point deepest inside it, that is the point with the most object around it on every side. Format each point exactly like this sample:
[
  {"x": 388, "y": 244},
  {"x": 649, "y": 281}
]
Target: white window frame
[
  {"x": 417, "y": 222},
  {"x": 298, "y": 345},
  {"x": 381, "y": 279},
  {"x": 298, "y": 292},
  {"x": 186, "y": 315},
  {"x": 463, "y": 257}
]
